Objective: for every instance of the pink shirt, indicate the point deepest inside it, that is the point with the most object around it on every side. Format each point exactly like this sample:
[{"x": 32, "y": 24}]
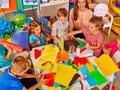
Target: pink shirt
[
  {"x": 93, "y": 40},
  {"x": 83, "y": 18},
  {"x": 112, "y": 45}
]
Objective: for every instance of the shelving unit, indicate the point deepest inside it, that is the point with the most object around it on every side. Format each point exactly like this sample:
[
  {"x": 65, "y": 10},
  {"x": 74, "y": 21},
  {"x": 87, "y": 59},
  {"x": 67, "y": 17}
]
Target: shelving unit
[{"x": 50, "y": 8}]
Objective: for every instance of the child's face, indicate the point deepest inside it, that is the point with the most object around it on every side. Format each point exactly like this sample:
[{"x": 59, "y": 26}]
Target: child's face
[
  {"x": 81, "y": 4},
  {"x": 62, "y": 19},
  {"x": 20, "y": 73},
  {"x": 92, "y": 27},
  {"x": 37, "y": 30}
]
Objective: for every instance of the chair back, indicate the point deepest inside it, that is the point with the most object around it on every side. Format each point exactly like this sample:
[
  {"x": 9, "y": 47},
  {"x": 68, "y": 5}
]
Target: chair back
[{"x": 101, "y": 9}]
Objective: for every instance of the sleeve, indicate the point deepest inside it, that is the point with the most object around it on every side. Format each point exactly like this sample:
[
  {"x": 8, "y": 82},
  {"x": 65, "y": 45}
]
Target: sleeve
[
  {"x": 15, "y": 86},
  {"x": 31, "y": 39},
  {"x": 109, "y": 45},
  {"x": 100, "y": 38},
  {"x": 54, "y": 29}
]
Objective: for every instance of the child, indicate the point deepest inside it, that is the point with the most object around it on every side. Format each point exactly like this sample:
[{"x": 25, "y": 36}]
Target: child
[
  {"x": 93, "y": 35},
  {"x": 114, "y": 46},
  {"x": 38, "y": 35},
  {"x": 5, "y": 56},
  {"x": 9, "y": 79},
  {"x": 60, "y": 27}
]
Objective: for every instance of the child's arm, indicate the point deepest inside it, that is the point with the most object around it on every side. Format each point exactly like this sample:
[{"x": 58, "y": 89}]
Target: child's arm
[
  {"x": 93, "y": 47},
  {"x": 56, "y": 39},
  {"x": 41, "y": 81},
  {"x": 73, "y": 33},
  {"x": 8, "y": 54},
  {"x": 26, "y": 75},
  {"x": 35, "y": 44}
]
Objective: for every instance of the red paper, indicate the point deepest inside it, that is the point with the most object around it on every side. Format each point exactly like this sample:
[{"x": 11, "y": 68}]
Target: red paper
[
  {"x": 82, "y": 60},
  {"x": 37, "y": 53},
  {"x": 49, "y": 76}
]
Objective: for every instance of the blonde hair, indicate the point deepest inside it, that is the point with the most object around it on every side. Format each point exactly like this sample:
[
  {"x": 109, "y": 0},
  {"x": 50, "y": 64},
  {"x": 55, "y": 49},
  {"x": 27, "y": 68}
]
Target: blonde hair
[
  {"x": 62, "y": 12},
  {"x": 20, "y": 63},
  {"x": 98, "y": 21}
]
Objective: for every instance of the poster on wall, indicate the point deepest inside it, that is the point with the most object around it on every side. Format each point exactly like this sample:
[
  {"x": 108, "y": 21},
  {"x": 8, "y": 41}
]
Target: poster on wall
[
  {"x": 4, "y": 4},
  {"x": 30, "y": 2},
  {"x": 20, "y": 4}
]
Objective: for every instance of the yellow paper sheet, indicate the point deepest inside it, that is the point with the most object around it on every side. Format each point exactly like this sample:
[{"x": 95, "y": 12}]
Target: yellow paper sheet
[
  {"x": 48, "y": 57},
  {"x": 106, "y": 65},
  {"x": 90, "y": 67},
  {"x": 64, "y": 74}
]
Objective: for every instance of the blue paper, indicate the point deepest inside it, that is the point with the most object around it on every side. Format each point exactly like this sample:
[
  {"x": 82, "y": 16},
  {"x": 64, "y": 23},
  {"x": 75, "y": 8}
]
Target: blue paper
[{"x": 91, "y": 81}]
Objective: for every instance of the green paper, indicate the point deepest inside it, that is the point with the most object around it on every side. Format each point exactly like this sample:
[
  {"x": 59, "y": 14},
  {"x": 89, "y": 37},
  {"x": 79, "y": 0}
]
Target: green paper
[
  {"x": 70, "y": 49},
  {"x": 73, "y": 66},
  {"x": 98, "y": 77},
  {"x": 62, "y": 44},
  {"x": 21, "y": 6},
  {"x": 82, "y": 44}
]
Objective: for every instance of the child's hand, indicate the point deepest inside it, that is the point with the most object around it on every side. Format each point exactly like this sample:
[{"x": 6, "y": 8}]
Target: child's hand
[
  {"x": 42, "y": 80},
  {"x": 47, "y": 39},
  {"x": 38, "y": 42},
  {"x": 8, "y": 48},
  {"x": 87, "y": 45},
  {"x": 105, "y": 51},
  {"x": 63, "y": 36}
]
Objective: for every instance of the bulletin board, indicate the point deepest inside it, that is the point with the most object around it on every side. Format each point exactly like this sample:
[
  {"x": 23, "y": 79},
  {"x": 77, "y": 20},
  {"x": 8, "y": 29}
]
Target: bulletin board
[
  {"x": 22, "y": 6},
  {"x": 12, "y": 6}
]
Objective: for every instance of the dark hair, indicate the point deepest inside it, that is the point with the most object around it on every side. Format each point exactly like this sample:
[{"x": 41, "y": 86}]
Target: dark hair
[
  {"x": 62, "y": 12},
  {"x": 34, "y": 23},
  {"x": 98, "y": 21},
  {"x": 75, "y": 12}
]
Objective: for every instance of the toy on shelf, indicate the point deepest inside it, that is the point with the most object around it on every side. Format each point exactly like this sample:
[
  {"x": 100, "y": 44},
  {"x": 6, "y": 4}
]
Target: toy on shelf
[
  {"x": 118, "y": 3},
  {"x": 19, "y": 19}
]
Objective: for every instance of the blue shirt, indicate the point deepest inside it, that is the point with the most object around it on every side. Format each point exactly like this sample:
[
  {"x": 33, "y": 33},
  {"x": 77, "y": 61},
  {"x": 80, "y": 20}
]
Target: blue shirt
[
  {"x": 9, "y": 81},
  {"x": 33, "y": 39},
  {"x": 3, "y": 53}
]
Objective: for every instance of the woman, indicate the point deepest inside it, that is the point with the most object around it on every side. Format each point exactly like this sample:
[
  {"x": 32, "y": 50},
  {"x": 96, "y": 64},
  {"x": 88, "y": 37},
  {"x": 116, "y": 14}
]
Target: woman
[{"x": 79, "y": 16}]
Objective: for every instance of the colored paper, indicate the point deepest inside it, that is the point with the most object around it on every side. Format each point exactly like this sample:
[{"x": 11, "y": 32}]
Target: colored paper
[
  {"x": 64, "y": 74},
  {"x": 62, "y": 56},
  {"x": 50, "y": 77},
  {"x": 106, "y": 65},
  {"x": 90, "y": 67},
  {"x": 98, "y": 77},
  {"x": 82, "y": 44},
  {"x": 11, "y": 45},
  {"x": 48, "y": 57},
  {"x": 21, "y": 39},
  {"x": 62, "y": 44},
  {"x": 37, "y": 53},
  {"x": 91, "y": 81}
]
